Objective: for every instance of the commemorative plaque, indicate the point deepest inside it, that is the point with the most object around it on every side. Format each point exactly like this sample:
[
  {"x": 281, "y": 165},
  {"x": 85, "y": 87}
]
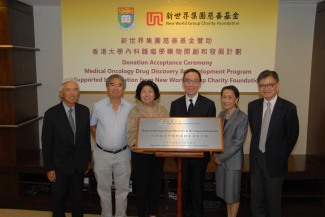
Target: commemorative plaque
[{"x": 180, "y": 134}]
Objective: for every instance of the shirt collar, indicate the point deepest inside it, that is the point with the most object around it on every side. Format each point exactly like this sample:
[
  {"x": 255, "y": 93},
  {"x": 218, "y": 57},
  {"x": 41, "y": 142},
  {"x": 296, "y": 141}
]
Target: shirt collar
[
  {"x": 273, "y": 101},
  {"x": 109, "y": 101},
  {"x": 194, "y": 98},
  {"x": 67, "y": 108}
]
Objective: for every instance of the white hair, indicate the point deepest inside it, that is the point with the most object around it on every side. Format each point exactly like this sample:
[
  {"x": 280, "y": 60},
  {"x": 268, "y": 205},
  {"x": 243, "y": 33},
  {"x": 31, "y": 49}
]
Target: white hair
[{"x": 66, "y": 81}]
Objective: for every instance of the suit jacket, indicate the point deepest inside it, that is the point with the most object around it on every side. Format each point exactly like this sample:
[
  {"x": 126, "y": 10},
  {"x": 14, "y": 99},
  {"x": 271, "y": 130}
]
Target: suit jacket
[
  {"x": 281, "y": 137},
  {"x": 204, "y": 107},
  {"x": 59, "y": 151},
  {"x": 234, "y": 134}
]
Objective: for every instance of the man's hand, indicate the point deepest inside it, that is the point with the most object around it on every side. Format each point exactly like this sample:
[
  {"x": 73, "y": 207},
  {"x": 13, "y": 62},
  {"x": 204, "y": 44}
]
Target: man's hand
[
  {"x": 51, "y": 176},
  {"x": 88, "y": 168},
  {"x": 215, "y": 157}
]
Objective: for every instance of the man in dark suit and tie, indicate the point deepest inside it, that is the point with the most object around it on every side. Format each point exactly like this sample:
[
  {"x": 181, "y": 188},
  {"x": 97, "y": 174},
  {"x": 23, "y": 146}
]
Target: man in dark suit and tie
[
  {"x": 275, "y": 129},
  {"x": 193, "y": 169},
  {"x": 66, "y": 148}
]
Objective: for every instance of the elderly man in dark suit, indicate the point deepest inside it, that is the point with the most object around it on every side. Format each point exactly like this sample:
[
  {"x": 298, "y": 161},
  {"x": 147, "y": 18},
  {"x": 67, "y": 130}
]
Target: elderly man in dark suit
[
  {"x": 275, "y": 129},
  {"x": 66, "y": 148},
  {"x": 193, "y": 169}
]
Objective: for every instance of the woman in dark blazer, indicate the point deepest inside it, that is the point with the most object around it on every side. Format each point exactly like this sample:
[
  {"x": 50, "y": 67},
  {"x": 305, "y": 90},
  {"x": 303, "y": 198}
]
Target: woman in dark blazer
[{"x": 229, "y": 163}]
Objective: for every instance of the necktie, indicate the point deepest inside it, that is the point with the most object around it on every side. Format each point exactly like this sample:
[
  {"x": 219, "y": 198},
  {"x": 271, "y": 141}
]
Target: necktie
[
  {"x": 190, "y": 108},
  {"x": 72, "y": 122},
  {"x": 265, "y": 127}
]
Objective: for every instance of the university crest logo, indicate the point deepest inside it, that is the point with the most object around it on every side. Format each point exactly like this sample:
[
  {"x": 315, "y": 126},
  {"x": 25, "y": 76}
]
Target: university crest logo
[{"x": 125, "y": 18}]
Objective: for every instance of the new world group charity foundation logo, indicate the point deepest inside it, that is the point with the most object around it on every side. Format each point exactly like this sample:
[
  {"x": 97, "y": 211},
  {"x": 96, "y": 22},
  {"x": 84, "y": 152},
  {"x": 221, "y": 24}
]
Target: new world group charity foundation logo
[
  {"x": 154, "y": 18},
  {"x": 125, "y": 18},
  {"x": 161, "y": 122}
]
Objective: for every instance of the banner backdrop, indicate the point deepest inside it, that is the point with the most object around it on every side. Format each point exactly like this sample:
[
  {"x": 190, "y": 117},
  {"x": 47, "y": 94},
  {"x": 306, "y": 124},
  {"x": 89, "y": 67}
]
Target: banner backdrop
[{"x": 229, "y": 41}]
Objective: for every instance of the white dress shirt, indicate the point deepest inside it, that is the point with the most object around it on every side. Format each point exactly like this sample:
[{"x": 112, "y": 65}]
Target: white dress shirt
[
  {"x": 273, "y": 101},
  {"x": 67, "y": 108},
  {"x": 187, "y": 99}
]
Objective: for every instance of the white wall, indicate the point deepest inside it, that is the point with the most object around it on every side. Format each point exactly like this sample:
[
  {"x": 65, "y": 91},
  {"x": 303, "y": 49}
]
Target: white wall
[
  {"x": 292, "y": 62},
  {"x": 49, "y": 64}
]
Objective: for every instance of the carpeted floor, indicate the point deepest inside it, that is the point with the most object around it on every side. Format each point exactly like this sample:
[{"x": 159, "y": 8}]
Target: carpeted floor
[{"x": 32, "y": 213}]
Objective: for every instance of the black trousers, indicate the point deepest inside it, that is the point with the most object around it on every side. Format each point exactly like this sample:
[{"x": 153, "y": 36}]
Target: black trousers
[
  {"x": 193, "y": 177},
  {"x": 148, "y": 171},
  {"x": 265, "y": 191},
  {"x": 59, "y": 190}
]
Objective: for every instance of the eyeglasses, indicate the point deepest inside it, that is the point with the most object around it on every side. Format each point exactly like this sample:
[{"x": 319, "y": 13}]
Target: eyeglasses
[
  {"x": 269, "y": 86},
  {"x": 188, "y": 81}
]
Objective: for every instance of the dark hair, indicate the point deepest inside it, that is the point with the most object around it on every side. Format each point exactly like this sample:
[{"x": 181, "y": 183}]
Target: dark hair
[
  {"x": 231, "y": 87},
  {"x": 267, "y": 73},
  {"x": 191, "y": 70},
  {"x": 145, "y": 83}
]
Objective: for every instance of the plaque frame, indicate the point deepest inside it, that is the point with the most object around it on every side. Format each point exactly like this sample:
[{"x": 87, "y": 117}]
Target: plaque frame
[{"x": 179, "y": 150}]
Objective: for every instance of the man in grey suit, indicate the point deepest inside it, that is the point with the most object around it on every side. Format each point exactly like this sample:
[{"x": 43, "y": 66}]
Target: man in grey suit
[
  {"x": 193, "y": 169},
  {"x": 275, "y": 129}
]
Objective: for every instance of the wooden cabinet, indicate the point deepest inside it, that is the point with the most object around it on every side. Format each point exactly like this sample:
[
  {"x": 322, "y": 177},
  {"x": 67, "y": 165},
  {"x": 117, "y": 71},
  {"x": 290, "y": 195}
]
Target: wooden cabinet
[{"x": 19, "y": 135}]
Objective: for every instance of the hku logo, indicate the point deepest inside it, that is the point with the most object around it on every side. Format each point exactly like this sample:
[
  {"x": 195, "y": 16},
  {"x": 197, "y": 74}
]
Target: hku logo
[
  {"x": 154, "y": 18},
  {"x": 125, "y": 18}
]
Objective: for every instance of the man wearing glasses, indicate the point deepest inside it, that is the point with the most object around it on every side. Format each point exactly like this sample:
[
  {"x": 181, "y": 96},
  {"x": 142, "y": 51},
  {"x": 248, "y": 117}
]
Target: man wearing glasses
[
  {"x": 275, "y": 129},
  {"x": 193, "y": 104}
]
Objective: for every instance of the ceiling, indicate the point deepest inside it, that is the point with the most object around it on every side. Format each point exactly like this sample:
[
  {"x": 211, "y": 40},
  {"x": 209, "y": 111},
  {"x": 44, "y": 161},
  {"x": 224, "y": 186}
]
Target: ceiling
[{"x": 58, "y": 2}]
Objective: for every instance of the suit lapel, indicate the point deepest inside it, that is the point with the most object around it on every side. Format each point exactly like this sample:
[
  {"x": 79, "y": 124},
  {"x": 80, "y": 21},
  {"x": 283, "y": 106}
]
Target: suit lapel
[
  {"x": 63, "y": 116},
  {"x": 183, "y": 106},
  {"x": 231, "y": 119},
  {"x": 78, "y": 118},
  {"x": 224, "y": 113},
  {"x": 223, "y": 117},
  {"x": 259, "y": 115},
  {"x": 275, "y": 116}
]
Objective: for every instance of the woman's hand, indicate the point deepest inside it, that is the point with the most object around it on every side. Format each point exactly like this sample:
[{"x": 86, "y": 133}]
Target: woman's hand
[{"x": 137, "y": 151}]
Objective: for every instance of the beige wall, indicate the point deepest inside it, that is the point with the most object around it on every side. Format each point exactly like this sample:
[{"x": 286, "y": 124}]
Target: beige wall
[
  {"x": 293, "y": 63},
  {"x": 293, "y": 60}
]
